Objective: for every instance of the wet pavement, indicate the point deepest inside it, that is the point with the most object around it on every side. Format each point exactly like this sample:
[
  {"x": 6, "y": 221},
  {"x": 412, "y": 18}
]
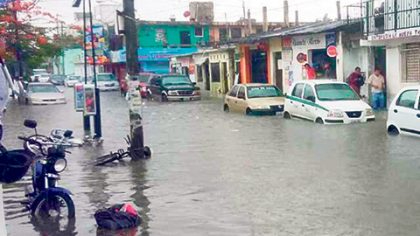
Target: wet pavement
[{"x": 227, "y": 174}]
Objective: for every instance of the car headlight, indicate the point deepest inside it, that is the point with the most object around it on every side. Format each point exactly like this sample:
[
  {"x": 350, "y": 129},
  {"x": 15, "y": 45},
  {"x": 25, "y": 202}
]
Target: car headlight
[
  {"x": 197, "y": 92},
  {"x": 60, "y": 165},
  {"x": 336, "y": 114},
  {"x": 172, "y": 93},
  {"x": 369, "y": 112}
]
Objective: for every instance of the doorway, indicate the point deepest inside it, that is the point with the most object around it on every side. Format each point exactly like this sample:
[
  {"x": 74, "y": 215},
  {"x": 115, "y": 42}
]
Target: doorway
[
  {"x": 380, "y": 63},
  {"x": 225, "y": 77},
  {"x": 278, "y": 72},
  {"x": 259, "y": 66},
  {"x": 206, "y": 73}
]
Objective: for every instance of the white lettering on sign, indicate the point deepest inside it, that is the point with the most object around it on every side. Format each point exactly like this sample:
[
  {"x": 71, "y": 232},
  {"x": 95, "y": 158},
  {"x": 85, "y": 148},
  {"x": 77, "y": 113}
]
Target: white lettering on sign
[
  {"x": 396, "y": 34},
  {"x": 316, "y": 41}
]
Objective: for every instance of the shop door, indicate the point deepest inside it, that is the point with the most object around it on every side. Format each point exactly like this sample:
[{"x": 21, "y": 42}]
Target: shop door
[
  {"x": 259, "y": 66},
  {"x": 225, "y": 78},
  {"x": 279, "y": 70},
  {"x": 380, "y": 62},
  {"x": 207, "y": 76}
]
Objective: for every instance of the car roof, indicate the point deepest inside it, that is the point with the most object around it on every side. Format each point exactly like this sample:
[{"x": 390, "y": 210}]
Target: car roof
[
  {"x": 411, "y": 87},
  {"x": 320, "y": 81},
  {"x": 255, "y": 84},
  {"x": 38, "y": 83}
]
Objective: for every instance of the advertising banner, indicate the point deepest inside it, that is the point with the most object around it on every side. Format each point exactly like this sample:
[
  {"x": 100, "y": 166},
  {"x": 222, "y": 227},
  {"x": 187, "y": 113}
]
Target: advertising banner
[
  {"x": 90, "y": 98},
  {"x": 79, "y": 97}
]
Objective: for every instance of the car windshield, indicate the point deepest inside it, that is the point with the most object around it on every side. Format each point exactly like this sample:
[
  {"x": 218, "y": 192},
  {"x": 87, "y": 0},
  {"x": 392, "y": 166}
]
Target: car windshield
[
  {"x": 106, "y": 77},
  {"x": 335, "y": 92},
  {"x": 263, "y": 92},
  {"x": 176, "y": 80},
  {"x": 45, "y": 88},
  {"x": 74, "y": 78},
  {"x": 144, "y": 78}
]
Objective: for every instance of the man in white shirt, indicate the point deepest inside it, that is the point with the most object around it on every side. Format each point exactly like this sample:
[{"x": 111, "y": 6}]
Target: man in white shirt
[{"x": 377, "y": 83}]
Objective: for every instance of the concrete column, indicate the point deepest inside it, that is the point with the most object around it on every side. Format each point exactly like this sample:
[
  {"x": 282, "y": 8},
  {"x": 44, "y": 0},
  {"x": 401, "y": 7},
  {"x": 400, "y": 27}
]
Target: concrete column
[{"x": 2, "y": 219}]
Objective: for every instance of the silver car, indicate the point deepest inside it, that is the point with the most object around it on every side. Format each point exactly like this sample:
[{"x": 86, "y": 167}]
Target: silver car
[
  {"x": 44, "y": 94},
  {"x": 107, "y": 82}
]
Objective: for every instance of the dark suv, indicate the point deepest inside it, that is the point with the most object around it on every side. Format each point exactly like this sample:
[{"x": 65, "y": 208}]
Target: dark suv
[{"x": 173, "y": 88}]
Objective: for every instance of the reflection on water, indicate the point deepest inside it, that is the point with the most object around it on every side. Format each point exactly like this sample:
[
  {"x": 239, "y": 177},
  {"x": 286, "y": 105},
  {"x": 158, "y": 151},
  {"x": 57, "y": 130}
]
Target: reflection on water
[{"x": 227, "y": 174}]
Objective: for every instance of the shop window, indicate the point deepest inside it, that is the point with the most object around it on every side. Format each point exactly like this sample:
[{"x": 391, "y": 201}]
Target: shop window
[
  {"x": 236, "y": 33},
  {"x": 412, "y": 63},
  {"x": 325, "y": 66},
  {"x": 297, "y": 91},
  {"x": 408, "y": 99},
  {"x": 223, "y": 34},
  {"x": 215, "y": 72},
  {"x": 198, "y": 31},
  {"x": 185, "y": 37}
]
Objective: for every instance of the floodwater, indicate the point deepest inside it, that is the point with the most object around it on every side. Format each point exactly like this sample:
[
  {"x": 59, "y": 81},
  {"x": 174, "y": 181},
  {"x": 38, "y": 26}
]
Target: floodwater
[{"x": 227, "y": 174}]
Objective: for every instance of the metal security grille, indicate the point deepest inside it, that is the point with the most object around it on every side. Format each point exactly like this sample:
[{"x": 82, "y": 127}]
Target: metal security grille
[{"x": 412, "y": 60}]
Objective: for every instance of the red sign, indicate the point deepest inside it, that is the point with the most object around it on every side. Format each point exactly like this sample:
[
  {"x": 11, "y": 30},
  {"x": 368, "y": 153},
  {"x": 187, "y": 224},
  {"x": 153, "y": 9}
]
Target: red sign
[
  {"x": 332, "y": 51},
  {"x": 302, "y": 58}
]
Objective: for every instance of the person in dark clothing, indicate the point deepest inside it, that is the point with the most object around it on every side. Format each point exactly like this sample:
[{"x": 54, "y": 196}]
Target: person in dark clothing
[{"x": 354, "y": 80}]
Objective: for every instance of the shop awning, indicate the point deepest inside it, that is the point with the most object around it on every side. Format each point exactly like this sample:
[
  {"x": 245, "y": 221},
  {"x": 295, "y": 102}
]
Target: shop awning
[{"x": 200, "y": 60}]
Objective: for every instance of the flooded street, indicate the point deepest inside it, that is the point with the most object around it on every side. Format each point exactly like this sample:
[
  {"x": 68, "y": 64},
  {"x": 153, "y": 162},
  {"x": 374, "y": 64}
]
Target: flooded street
[{"x": 227, "y": 174}]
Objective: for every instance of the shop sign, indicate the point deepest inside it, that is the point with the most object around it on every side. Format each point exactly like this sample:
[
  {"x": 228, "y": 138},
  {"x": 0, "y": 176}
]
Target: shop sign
[
  {"x": 90, "y": 98},
  {"x": 331, "y": 39},
  {"x": 332, "y": 51},
  {"x": 302, "y": 58},
  {"x": 396, "y": 34},
  {"x": 287, "y": 43},
  {"x": 79, "y": 97},
  {"x": 316, "y": 41}
]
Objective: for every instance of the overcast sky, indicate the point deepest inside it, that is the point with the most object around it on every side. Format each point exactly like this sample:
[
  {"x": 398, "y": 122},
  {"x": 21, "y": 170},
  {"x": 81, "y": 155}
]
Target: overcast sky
[{"x": 309, "y": 10}]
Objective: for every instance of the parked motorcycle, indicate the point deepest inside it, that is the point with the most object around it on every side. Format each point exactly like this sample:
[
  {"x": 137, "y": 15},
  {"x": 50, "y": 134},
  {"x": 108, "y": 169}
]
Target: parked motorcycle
[{"x": 45, "y": 198}]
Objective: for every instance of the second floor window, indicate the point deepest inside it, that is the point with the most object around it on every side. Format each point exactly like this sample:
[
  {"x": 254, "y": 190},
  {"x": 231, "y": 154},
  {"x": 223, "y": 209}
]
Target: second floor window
[
  {"x": 236, "y": 33},
  {"x": 185, "y": 38},
  {"x": 198, "y": 31}
]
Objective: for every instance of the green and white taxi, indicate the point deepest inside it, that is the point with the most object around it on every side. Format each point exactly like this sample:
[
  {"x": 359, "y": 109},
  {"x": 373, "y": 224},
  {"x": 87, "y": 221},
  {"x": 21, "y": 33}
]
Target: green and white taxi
[{"x": 326, "y": 102}]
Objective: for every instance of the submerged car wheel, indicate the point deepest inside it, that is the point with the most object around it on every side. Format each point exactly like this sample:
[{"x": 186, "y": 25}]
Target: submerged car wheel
[
  {"x": 319, "y": 121},
  {"x": 248, "y": 111},
  {"x": 226, "y": 108},
  {"x": 393, "y": 131},
  {"x": 287, "y": 115},
  {"x": 164, "y": 98}
]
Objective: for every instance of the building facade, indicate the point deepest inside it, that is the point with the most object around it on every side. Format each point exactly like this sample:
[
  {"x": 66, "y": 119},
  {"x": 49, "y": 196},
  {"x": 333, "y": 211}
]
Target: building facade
[{"x": 393, "y": 35}]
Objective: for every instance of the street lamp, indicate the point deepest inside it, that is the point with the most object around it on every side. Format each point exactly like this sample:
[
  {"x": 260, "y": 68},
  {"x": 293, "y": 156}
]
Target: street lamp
[{"x": 86, "y": 121}]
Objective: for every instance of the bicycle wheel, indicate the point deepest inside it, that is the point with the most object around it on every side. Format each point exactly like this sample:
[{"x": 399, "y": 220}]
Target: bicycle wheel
[{"x": 108, "y": 159}]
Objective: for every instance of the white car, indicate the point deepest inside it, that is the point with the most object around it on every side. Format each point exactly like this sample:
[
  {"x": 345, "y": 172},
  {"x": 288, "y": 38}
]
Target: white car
[
  {"x": 72, "y": 80},
  {"x": 326, "y": 102},
  {"x": 404, "y": 112},
  {"x": 44, "y": 94},
  {"x": 107, "y": 82}
]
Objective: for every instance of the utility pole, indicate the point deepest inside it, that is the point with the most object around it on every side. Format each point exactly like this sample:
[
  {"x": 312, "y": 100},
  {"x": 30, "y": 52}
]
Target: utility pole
[
  {"x": 286, "y": 13},
  {"x": 244, "y": 19},
  {"x": 249, "y": 22},
  {"x": 131, "y": 43},
  {"x": 265, "y": 21},
  {"x": 86, "y": 119},
  {"x": 97, "y": 123},
  {"x": 338, "y": 10},
  {"x": 296, "y": 18}
]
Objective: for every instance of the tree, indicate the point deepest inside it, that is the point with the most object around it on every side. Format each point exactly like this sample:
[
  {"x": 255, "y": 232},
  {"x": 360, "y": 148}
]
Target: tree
[{"x": 22, "y": 42}]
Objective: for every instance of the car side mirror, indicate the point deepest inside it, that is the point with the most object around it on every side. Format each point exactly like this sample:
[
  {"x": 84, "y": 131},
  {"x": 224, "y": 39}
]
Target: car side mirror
[
  {"x": 60, "y": 90},
  {"x": 32, "y": 124},
  {"x": 194, "y": 83}
]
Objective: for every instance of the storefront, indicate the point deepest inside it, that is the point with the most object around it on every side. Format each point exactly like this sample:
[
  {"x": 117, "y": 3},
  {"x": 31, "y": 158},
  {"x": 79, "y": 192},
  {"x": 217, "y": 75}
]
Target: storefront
[
  {"x": 156, "y": 60},
  {"x": 317, "y": 50},
  {"x": 222, "y": 70},
  {"x": 255, "y": 63},
  {"x": 184, "y": 65},
  {"x": 201, "y": 61}
]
